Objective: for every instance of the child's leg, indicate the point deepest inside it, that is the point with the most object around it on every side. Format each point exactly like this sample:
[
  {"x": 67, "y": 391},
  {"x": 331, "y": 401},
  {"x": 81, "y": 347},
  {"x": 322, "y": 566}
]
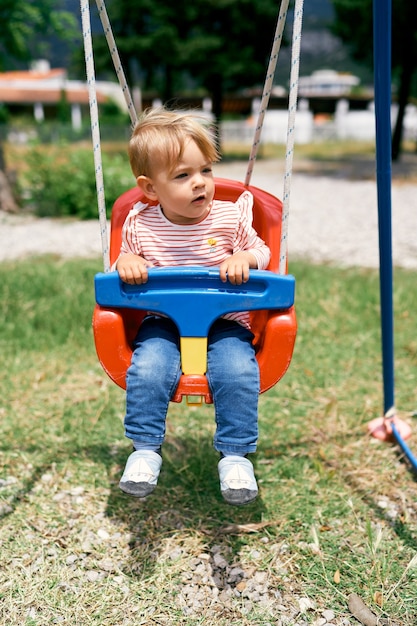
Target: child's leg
[
  {"x": 151, "y": 380},
  {"x": 233, "y": 375}
]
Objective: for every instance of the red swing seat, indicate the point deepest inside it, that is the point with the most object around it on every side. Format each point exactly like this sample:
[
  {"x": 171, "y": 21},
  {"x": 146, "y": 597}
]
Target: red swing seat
[{"x": 275, "y": 331}]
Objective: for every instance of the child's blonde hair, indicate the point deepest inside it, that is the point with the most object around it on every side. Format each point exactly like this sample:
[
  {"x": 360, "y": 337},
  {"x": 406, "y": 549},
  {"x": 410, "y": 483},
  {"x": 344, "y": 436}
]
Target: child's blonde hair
[{"x": 159, "y": 137}]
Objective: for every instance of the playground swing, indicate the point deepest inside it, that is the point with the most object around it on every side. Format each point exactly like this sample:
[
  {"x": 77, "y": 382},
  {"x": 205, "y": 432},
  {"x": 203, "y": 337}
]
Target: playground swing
[{"x": 195, "y": 297}]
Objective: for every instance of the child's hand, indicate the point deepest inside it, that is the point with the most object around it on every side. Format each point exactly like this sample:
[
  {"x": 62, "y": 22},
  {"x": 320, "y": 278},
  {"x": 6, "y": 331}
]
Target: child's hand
[
  {"x": 133, "y": 269},
  {"x": 236, "y": 268}
]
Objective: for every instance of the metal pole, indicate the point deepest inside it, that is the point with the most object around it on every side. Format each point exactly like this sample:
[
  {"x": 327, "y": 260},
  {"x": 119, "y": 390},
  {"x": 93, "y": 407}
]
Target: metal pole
[{"x": 382, "y": 83}]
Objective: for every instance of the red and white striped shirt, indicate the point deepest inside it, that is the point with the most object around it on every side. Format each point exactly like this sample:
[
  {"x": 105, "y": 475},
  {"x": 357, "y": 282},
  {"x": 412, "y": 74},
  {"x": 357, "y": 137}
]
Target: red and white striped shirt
[{"x": 226, "y": 230}]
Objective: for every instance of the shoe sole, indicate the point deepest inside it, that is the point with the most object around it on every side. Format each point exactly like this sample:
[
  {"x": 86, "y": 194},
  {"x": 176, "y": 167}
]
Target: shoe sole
[
  {"x": 239, "y": 497},
  {"x": 139, "y": 490}
]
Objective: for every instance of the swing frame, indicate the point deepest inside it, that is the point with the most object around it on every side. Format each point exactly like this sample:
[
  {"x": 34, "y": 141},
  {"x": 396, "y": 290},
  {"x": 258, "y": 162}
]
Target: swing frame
[{"x": 390, "y": 424}]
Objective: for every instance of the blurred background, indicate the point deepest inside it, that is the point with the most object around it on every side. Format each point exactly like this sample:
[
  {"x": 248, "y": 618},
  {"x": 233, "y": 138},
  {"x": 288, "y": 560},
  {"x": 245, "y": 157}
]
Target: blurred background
[{"x": 209, "y": 56}]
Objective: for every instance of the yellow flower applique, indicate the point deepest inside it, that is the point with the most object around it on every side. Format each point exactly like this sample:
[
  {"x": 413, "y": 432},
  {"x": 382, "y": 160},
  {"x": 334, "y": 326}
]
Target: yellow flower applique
[{"x": 212, "y": 243}]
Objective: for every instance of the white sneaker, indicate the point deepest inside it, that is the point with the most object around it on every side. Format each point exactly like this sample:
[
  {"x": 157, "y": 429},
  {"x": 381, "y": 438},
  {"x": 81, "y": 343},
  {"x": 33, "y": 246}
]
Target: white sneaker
[
  {"x": 237, "y": 480},
  {"x": 141, "y": 473}
]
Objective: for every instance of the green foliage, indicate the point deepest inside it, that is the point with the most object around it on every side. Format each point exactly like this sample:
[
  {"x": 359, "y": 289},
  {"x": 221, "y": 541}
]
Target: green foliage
[
  {"x": 220, "y": 45},
  {"x": 354, "y": 25},
  {"x": 4, "y": 114},
  {"x": 358, "y": 38},
  {"x": 64, "y": 109},
  {"x": 110, "y": 113},
  {"x": 22, "y": 21},
  {"x": 60, "y": 181}
]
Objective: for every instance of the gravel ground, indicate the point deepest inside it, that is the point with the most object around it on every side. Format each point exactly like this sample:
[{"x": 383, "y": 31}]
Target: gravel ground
[{"x": 333, "y": 218}]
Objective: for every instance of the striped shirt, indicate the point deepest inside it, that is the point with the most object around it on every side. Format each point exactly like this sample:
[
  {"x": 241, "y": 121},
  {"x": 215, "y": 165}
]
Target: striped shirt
[{"x": 226, "y": 230}]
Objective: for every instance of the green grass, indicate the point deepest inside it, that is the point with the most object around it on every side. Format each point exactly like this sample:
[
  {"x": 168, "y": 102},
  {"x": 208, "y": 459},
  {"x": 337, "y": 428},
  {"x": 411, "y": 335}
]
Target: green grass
[{"x": 337, "y": 510}]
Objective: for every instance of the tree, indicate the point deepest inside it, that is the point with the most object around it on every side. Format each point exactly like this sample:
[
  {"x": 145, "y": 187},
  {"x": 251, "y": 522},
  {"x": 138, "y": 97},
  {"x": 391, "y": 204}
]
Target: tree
[
  {"x": 22, "y": 23},
  {"x": 354, "y": 25},
  {"x": 229, "y": 45},
  {"x": 219, "y": 45}
]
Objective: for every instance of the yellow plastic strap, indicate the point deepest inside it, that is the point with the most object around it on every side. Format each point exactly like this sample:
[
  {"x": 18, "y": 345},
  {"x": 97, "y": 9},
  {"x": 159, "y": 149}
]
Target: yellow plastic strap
[{"x": 193, "y": 355}]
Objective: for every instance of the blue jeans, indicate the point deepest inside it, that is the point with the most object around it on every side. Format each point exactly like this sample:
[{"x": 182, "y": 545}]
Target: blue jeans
[{"x": 232, "y": 374}]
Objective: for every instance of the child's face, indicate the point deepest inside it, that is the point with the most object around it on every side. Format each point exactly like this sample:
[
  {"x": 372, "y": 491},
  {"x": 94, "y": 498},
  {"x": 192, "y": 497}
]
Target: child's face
[{"x": 186, "y": 192}]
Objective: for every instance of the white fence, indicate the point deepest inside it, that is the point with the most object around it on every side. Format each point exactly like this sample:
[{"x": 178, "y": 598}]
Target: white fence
[{"x": 345, "y": 124}]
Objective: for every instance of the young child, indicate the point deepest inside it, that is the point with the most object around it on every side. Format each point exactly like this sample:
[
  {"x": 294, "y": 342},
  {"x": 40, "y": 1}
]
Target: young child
[{"x": 171, "y": 155}]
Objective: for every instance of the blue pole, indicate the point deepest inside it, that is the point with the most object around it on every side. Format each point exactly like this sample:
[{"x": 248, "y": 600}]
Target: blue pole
[
  {"x": 382, "y": 14},
  {"x": 382, "y": 84}
]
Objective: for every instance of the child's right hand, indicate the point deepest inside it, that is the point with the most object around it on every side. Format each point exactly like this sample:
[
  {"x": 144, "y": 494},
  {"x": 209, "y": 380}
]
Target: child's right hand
[{"x": 133, "y": 269}]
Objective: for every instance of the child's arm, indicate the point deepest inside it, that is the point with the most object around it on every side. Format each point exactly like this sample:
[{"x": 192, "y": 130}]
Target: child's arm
[
  {"x": 236, "y": 267},
  {"x": 133, "y": 269}
]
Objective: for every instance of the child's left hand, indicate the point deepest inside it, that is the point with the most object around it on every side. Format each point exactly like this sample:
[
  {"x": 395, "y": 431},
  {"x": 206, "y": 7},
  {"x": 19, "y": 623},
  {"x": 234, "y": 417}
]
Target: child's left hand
[{"x": 236, "y": 268}]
